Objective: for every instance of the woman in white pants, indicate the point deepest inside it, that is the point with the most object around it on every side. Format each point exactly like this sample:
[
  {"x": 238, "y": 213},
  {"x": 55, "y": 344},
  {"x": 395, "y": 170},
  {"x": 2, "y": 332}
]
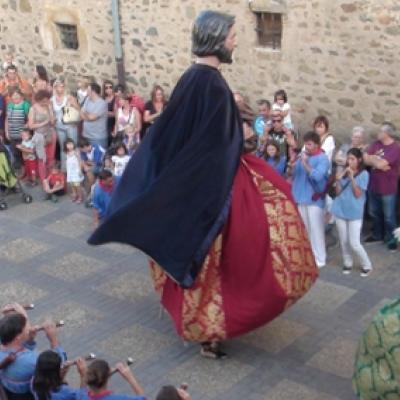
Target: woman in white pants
[{"x": 348, "y": 209}]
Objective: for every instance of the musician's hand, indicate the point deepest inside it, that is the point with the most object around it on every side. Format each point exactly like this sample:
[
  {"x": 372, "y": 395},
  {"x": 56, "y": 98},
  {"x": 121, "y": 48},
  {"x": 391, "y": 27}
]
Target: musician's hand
[
  {"x": 124, "y": 370},
  {"x": 304, "y": 158},
  {"x": 32, "y": 332},
  {"x": 350, "y": 172},
  {"x": 81, "y": 366},
  {"x": 51, "y": 332},
  {"x": 15, "y": 307},
  {"x": 183, "y": 394}
]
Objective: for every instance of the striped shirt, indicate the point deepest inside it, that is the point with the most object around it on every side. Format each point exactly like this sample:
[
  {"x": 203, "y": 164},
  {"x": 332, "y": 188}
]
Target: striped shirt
[{"x": 17, "y": 115}]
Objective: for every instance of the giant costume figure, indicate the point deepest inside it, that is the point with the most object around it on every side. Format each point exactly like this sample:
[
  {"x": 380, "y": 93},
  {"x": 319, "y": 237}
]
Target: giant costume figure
[{"x": 229, "y": 251}]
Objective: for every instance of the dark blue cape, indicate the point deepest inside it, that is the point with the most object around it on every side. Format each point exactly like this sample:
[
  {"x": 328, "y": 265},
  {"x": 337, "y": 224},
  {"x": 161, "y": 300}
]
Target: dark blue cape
[{"x": 173, "y": 197}]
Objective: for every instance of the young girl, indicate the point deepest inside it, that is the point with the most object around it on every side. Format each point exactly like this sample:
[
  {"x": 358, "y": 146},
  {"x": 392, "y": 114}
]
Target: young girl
[
  {"x": 120, "y": 159},
  {"x": 74, "y": 170},
  {"x": 348, "y": 209},
  {"x": 125, "y": 116},
  {"x": 281, "y": 104},
  {"x": 48, "y": 380},
  {"x": 97, "y": 376},
  {"x": 27, "y": 148},
  {"x": 273, "y": 157}
]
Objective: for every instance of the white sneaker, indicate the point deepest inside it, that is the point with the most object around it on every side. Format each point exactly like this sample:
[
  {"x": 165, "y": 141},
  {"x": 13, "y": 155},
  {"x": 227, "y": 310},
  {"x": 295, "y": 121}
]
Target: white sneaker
[{"x": 365, "y": 272}]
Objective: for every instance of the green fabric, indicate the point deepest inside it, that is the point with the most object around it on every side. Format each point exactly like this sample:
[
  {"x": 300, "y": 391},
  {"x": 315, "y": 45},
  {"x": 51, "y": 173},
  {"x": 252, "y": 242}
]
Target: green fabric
[
  {"x": 7, "y": 178},
  {"x": 377, "y": 364},
  {"x": 25, "y": 105}
]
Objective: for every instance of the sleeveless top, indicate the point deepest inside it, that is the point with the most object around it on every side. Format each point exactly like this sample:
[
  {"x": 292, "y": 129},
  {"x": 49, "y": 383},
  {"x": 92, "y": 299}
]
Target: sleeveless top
[{"x": 58, "y": 109}]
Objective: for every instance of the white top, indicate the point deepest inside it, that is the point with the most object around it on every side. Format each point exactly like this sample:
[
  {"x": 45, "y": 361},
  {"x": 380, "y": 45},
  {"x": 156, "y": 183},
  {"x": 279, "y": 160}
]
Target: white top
[
  {"x": 287, "y": 120},
  {"x": 81, "y": 95},
  {"x": 73, "y": 165},
  {"x": 122, "y": 120},
  {"x": 58, "y": 108},
  {"x": 328, "y": 146},
  {"x": 120, "y": 163}
]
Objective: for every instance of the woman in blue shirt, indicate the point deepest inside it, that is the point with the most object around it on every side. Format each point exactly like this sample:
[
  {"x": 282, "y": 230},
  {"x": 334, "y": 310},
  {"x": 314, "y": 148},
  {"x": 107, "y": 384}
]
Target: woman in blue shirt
[
  {"x": 348, "y": 209},
  {"x": 48, "y": 380},
  {"x": 274, "y": 158}
]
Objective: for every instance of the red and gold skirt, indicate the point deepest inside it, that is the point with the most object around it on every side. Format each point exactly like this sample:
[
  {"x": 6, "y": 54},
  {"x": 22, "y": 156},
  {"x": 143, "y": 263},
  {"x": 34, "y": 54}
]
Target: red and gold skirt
[{"x": 259, "y": 265}]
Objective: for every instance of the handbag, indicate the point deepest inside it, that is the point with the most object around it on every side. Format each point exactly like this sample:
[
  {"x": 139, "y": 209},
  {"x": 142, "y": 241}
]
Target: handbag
[{"x": 70, "y": 115}]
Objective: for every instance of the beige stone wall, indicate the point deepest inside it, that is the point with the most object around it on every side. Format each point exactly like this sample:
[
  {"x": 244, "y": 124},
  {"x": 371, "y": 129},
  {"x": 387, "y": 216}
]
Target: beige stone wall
[{"x": 338, "y": 57}]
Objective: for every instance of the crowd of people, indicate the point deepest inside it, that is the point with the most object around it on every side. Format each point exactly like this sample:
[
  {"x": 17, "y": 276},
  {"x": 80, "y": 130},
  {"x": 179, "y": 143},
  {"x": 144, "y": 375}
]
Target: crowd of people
[
  {"x": 80, "y": 142},
  {"x": 27, "y": 375}
]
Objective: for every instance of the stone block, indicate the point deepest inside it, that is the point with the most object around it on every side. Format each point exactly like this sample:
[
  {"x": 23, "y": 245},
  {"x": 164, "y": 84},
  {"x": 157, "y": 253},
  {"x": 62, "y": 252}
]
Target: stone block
[
  {"x": 337, "y": 357},
  {"x": 73, "y": 266},
  {"x": 20, "y": 250},
  {"x": 72, "y": 226},
  {"x": 17, "y": 291},
  {"x": 276, "y": 336}
]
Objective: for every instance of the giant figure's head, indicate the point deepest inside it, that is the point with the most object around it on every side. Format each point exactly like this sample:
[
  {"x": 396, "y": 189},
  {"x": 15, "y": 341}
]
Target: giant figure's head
[{"x": 210, "y": 32}]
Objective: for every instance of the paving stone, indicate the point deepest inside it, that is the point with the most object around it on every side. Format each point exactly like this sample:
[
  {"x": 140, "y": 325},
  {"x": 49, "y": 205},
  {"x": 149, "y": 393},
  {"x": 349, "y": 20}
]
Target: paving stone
[
  {"x": 137, "y": 341},
  {"x": 72, "y": 226},
  {"x": 22, "y": 249},
  {"x": 73, "y": 266},
  {"x": 120, "y": 248},
  {"x": 210, "y": 377},
  {"x": 17, "y": 291},
  {"x": 325, "y": 297},
  {"x": 337, "y": 357},
  {"x": 130, "y": 286},
  {"x": 30, "y": 212},
  {"x": 275, "y": 336},
  {"x": 289, "y": 390}
]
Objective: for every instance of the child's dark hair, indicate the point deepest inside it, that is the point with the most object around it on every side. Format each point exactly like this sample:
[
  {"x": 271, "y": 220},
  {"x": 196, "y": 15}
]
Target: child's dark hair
[
  {"x": 277, "y": 157},
  {"x": 11, "y": 326},
  {"x": 120, "y": 145},
  {"x": 69, "y": 140},
  {"x": 105, "y": 174},
  {"x": 47, "y": 376},
  {"x": 357, "y": 153},
  {"x": 312, "y": 136},
  {"x": 83, "y": 142},
  {"x": 97, "y": 374},
  {"x": 280, "y": 93},
  {"x": 168, "y": 393},
  {"x": 321, "y": 120}
]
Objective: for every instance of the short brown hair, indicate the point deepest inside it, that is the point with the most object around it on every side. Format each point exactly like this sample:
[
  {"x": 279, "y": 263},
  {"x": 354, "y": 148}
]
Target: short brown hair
[{"x": 41, "y": 95}]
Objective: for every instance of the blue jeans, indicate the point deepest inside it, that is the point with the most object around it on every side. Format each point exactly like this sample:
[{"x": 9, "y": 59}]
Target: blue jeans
[{"x": 382, "y": 209}]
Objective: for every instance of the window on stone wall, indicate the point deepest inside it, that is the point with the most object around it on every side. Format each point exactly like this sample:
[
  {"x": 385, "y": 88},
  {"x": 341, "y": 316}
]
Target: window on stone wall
[
  {"x": 68, "y": 34},
  {"x": 269, "y": 29}
]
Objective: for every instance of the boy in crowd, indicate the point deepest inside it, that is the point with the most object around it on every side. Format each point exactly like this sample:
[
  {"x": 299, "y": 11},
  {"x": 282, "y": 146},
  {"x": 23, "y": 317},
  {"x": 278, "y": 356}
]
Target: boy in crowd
[
  {"x": 54, "y": 184},
  {"x": 102, "y": 195},
  {"x": 27, "y": 148}
]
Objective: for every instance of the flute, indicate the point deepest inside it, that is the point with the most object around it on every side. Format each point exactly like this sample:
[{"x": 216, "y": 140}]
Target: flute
[
  {"x": 129, "y": 361},
  {"x": 26, "y": 307},
  {"x": 89, "y": 357},
  {"x": 59, "y": 324}
]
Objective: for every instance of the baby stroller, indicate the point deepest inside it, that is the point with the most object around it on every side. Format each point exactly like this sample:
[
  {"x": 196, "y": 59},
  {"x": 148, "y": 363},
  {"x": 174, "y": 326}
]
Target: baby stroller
[{"x": 9, "y": 183}]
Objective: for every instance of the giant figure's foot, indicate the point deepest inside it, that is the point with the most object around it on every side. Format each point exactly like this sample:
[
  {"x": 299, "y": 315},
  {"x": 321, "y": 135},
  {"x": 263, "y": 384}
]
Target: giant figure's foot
[{"x": 212, "y": 350}]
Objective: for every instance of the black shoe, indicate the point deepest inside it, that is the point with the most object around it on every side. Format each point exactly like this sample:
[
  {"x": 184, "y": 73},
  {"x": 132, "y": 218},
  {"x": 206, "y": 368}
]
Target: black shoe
[
  {"x": 346, "y": 270},
  {"x": 365, "y": 272},
  {"x": 371, "y": 239}
]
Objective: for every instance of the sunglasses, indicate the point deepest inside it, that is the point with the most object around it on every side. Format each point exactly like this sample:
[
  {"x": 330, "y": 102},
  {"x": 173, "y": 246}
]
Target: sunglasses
[{"x": 276, "y": 120}]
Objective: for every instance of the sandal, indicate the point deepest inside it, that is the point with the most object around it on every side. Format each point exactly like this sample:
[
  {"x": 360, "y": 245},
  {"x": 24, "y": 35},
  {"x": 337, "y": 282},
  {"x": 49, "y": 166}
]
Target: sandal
[{"x": 212, "y": 350}]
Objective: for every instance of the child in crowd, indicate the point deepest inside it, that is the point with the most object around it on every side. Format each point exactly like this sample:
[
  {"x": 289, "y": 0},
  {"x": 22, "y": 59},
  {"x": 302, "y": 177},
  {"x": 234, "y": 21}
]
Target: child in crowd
[
  {"x": 48, "y": 380},
  {"x": 97, "y": 377},
  {"x": 274, "y": 158},
  {"x": 74, "y": 170},
  {"x": 102, "y": 195},
  {"x": 281, "y": 104},
  {"x": 131, "y": 139},
  {"x": 27, "y": 148},
  {"x": 54, "y": 184},
  {"x": 9, "y": 60},
  {"x": 82, "y": 92},
  {"x": 348, "y": 210},
  {"x": 120, "y": 159},
  {"x": 172, "y": 393}
]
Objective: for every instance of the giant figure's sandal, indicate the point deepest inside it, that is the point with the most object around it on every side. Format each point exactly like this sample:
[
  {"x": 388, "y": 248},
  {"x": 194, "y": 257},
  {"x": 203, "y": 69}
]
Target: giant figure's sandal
[{"x": 212, "y": 350}]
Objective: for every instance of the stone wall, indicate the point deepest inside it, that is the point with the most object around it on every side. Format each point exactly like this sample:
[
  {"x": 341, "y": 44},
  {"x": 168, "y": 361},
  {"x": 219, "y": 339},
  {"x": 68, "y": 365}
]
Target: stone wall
[{"x": 337, "y": 57}]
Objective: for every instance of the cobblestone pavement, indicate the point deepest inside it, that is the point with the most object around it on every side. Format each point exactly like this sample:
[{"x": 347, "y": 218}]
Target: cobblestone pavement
[{"x": 105, "y": 296}]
